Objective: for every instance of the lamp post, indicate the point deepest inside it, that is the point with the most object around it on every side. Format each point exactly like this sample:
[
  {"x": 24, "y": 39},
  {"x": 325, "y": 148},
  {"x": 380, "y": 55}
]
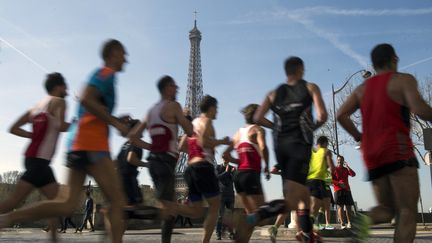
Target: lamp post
[{"x": 366, "y": 74}]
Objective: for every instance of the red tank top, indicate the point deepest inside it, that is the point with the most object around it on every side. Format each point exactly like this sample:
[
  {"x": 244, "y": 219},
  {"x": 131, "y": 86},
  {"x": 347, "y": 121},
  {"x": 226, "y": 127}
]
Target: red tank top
[
  {"x": 385, "y": 125},
  {"x": 247, "y": 151},
  {"x": 195, "y": 149}
]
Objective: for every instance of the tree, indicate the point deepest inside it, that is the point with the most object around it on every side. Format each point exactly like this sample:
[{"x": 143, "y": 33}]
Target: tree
[{"x": 11, "y": 177}]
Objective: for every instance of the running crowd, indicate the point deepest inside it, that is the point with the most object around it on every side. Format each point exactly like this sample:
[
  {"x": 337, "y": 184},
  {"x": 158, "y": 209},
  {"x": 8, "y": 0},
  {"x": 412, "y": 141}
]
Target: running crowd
[{"x": 385, "y": 101}]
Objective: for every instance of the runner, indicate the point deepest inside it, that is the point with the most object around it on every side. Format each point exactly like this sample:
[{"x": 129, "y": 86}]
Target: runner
[
  {"x": 200, "y": 175},
  {"x": 88, "y": 148},
  {"x": 162, "y": 123},
  {"x": 320, "y": 164},
  {"x": 47, "y": 120},
  {"x": 293, "y": 128},
  {"x": 129, "y": 160},
  {"x": 386, "y": 101},
  {"x": 342, "y": 190},
  {"x": 250, "y": 143}
]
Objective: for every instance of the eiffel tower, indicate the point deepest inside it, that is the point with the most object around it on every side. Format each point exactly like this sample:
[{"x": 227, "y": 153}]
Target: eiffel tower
[{"x": 193, "y": 98}]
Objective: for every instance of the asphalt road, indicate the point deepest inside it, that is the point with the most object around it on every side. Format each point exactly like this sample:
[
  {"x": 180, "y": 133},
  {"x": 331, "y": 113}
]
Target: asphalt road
[{"x": 180, "y": 236}]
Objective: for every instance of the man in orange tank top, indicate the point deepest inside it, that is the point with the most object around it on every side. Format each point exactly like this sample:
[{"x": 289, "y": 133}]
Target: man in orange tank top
[{"x": 386, "y": 101}]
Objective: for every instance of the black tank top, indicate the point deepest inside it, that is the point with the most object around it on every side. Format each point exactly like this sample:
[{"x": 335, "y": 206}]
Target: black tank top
[{"x": 292, "y": 113}]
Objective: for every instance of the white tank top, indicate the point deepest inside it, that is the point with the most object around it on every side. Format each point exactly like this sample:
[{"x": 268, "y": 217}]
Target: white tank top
[
  {"x": 45, "y": 131},
  {"x": 163, "y": 134}
]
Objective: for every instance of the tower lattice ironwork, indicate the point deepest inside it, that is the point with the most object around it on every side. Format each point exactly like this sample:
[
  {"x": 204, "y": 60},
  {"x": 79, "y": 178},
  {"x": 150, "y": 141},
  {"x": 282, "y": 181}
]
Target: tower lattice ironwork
[{"x": 193, "y": 97}]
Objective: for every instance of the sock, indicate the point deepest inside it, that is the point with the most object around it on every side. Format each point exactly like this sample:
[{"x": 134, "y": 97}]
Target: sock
[
  {"x": 304, "y": 220},
  {"x": 167, "y": 229}
]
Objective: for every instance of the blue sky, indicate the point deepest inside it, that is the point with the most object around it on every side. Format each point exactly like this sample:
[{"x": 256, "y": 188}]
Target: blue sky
[{"x": 243, "y": 48}]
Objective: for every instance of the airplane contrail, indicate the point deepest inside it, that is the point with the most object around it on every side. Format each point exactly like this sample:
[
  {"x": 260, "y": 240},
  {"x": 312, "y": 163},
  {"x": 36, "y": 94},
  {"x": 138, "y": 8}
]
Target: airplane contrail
[
  {"x": 416, "y": 63},
  {"x": 24, "y": 55}
]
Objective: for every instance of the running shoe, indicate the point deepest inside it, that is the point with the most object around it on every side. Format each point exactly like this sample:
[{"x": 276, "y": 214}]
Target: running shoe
[
  {"x": 360, "y": 228},
  {"x": 314, "y": 237},
  {"x": 273, "y": 230},
  {"x": 329, "y": 227}
]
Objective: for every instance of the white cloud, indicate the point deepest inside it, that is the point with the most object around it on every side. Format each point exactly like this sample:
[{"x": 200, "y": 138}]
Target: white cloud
[
  {"x": 416, "y": 63},
  {"x": 324, "y": 10},
  {"x": 301, "y": 18}
]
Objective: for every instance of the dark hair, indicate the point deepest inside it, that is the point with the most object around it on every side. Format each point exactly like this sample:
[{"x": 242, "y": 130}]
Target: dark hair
[
  {"x": 53, "y": 80},
  {"x": 88, "y": 193},
  {"x": 292, "y": 64},
  {"x": 382, "y": 55},
  {"x": 164, "y": 82},
  {"x": 342, "y": 158},
  {"x": 322, "y": 140},
  {"x": 249, "y": 112},
  {"x": 207, "y": 102},
  {"x": 109, "y": 46}
]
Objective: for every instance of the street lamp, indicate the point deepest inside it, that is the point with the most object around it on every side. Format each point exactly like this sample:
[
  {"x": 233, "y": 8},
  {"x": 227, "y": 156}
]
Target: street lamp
[{"x": 365, "y": 74}]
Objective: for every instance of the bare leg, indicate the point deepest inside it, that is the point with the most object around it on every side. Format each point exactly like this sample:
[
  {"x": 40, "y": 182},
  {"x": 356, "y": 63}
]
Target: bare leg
[
  {"x": 280, "y": 220},
  {"x": 50, "y": 192},
  {"x": 316, "y": 204},
  {"x": 107, "y": 178},
  {"x": 210, "y": 221},
  {"x": 405, "y": 186},
  {"x": 348, "y": 211},
  {"x": 385, "y": 210},
  {"x": 49, "y": 208},
  {"x": 22, "y": 190},
  {"x": 340, "y": 215},
  {"x": 326, "y": 206},
  {"x": 297, "y": 195}
]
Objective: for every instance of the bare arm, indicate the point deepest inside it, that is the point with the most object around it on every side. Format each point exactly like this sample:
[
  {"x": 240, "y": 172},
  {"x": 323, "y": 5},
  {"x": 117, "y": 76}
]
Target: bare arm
[
  {"x": 59, "y": 110},
  {"x": 344, "y": 114},
  {"x": 414, "y": 100},
  {"x": 227, "y": 155},
  {"x": 263, "y": 150},
  {"x": 329, "y": 161},
  {"x": 183, "y": 146},
  {"x": 206, "y": 138},
  {"x": 181, "y": 119},
  {"x": 132, "y": 159},
  {"x": 90, "y": 100},
  {"x": 259, "y": 116},
  {"x": 16, "y": 127},
  {"x": 136, "y": 134},
  {"x": 350, "y": 171},
  {"x": 318, "y": 104}
]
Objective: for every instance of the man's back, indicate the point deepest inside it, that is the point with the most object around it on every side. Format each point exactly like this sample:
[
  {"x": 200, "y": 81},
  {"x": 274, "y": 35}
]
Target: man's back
[{"x": 385, "y": 124}]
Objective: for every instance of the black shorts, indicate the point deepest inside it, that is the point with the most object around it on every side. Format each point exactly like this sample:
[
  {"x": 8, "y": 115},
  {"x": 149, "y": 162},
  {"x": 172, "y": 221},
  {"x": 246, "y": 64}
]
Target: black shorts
[
  {"x": 162, "y": 171},
  {"x": 79, "y": 160},
  {"x": 392, "y": 167},
  {"x": 343, "y": 197},
  {"x": 328, "y": 193},
  {"x": 293, "y": 159},
  {"x": 131, "y": 188},
  {"x": 317, "y": 188},
  {"x": 248, "y": 182},
  {"x": 201, "y": 180},
  {"x": 38, "y": 172}
]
